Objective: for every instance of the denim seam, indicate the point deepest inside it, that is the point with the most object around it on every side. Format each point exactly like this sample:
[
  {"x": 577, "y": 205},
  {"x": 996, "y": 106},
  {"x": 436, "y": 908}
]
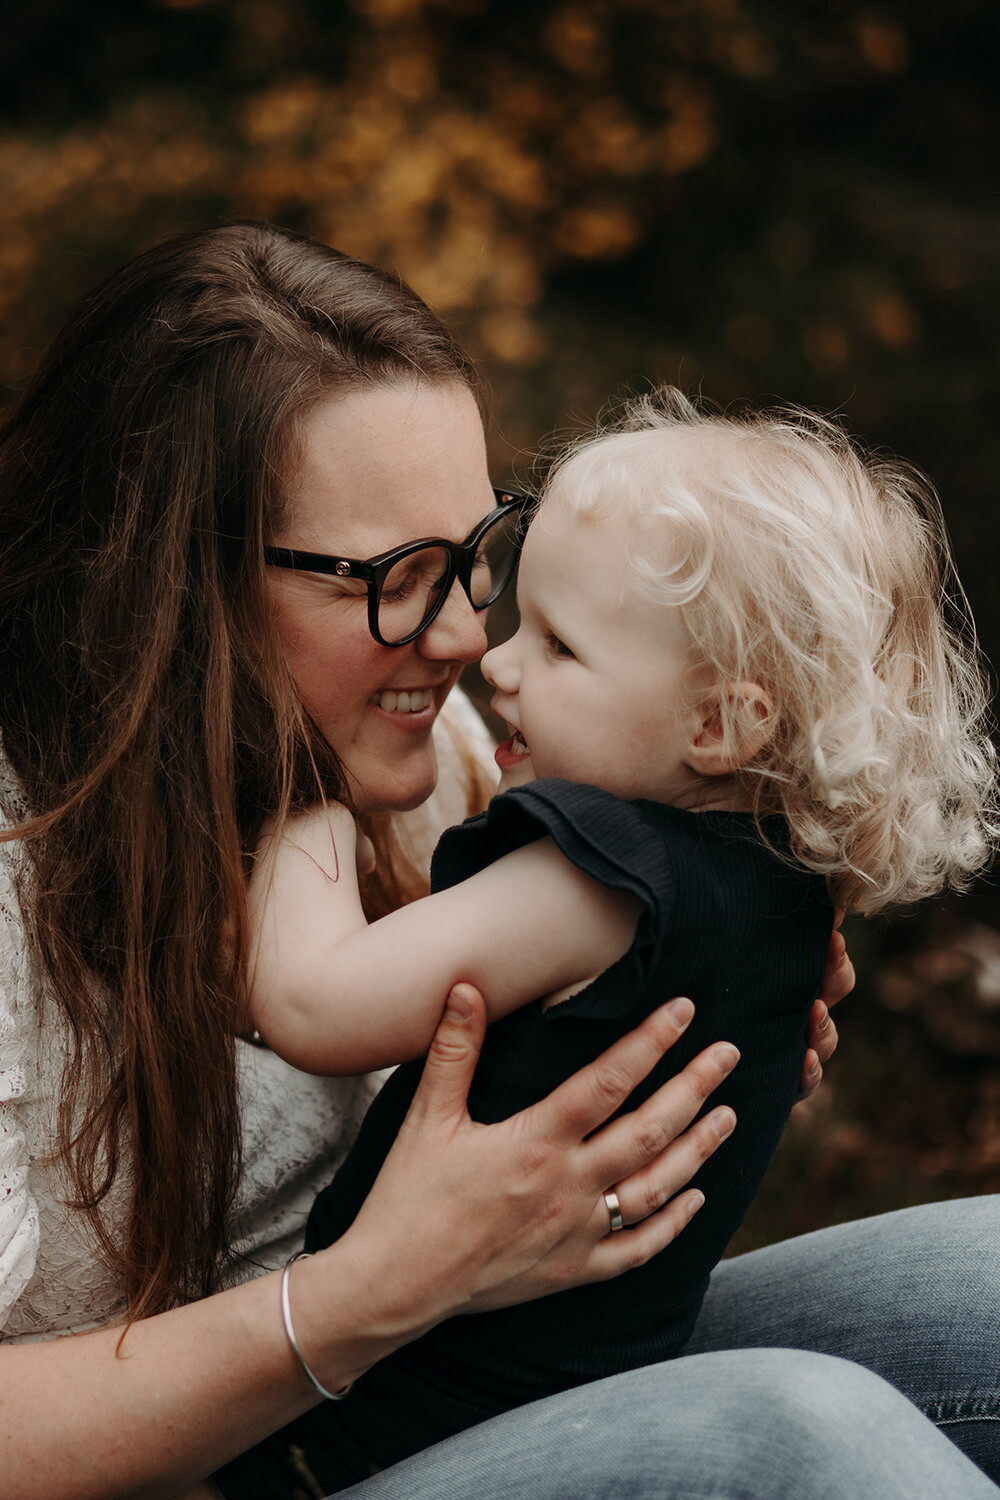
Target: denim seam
[{"x": 962, "y": 1409}]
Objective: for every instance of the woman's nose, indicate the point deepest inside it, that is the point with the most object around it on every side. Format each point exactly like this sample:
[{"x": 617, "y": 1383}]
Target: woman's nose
[{"x": 457, "y": 632}]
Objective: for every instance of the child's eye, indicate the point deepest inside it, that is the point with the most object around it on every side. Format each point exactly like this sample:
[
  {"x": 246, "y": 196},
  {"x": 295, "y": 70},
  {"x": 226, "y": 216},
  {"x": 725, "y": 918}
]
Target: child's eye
[{"x": 558, "y": 647}]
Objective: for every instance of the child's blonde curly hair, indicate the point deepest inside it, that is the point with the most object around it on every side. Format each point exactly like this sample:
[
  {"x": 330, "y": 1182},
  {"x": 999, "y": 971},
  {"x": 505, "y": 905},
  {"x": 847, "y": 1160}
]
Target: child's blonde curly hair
[{"x": 822, "y": 573}]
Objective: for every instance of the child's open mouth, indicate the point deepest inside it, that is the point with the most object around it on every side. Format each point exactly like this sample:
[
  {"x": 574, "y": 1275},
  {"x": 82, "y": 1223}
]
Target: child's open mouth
[{"x": 511, "y": 751}]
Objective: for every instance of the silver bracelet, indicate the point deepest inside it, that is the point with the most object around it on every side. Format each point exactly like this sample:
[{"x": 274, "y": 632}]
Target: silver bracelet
[{"x": 286, "y": 1318}]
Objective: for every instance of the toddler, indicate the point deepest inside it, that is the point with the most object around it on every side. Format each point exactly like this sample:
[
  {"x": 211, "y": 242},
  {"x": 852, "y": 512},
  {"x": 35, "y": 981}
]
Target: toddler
[{"x": 741, "y": 692}]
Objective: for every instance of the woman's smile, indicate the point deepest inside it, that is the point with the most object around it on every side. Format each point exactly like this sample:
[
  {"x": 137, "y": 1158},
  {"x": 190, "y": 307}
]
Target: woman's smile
[
  {"x": 403, "y": 701},
  {"x": 410, "y": 710}
]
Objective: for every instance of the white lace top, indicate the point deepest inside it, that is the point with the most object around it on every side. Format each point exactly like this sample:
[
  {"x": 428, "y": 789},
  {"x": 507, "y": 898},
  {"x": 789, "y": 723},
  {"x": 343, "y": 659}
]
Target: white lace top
[{"x": 296, "y": 1128}]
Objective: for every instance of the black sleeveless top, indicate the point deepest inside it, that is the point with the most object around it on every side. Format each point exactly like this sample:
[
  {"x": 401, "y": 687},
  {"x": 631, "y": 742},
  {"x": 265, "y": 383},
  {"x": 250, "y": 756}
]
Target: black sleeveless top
[{"x": 728, "y": 921}]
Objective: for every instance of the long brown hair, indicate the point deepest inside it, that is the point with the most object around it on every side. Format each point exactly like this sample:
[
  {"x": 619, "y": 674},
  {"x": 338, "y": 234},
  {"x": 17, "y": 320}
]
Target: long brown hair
[{"x": 145, "y": 708}]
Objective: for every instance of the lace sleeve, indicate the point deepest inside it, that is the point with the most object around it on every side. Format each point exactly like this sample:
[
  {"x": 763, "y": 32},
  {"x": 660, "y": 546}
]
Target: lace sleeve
[{"x": 19, "y": 1229}]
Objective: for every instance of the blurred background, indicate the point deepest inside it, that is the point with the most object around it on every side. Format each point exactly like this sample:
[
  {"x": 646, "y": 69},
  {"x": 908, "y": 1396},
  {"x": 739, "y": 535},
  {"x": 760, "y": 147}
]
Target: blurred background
[{"x": 749, "y": 199}]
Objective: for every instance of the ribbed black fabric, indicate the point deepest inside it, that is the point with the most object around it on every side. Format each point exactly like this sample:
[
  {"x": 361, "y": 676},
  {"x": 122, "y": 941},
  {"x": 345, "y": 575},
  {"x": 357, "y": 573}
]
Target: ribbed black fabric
[{"x": 727, "y": 922}]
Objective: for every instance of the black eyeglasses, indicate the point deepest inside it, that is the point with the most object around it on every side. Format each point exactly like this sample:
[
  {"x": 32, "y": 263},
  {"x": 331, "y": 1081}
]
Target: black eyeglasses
[{"x": 408, "y": 586}]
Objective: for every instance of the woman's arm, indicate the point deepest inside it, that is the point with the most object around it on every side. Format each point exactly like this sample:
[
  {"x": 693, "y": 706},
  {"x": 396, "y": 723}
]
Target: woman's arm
[
  {"x": 463, "y": 1217},
  {"x": 331, "y": 994}
]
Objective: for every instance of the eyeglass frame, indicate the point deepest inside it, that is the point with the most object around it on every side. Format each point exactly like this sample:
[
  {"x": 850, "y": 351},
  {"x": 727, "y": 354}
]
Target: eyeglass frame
[{"x": 373, "y": 571}]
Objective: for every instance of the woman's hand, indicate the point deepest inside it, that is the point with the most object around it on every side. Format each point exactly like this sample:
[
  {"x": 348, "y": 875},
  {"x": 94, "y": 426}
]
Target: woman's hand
[
  {"x": 482, "y": 1216},
  {"x": 821, "y": 1033}
]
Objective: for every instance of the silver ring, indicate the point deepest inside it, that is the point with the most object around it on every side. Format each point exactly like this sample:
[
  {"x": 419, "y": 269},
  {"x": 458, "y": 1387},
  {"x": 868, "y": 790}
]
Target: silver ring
[{"x": 614, "y": 1210}]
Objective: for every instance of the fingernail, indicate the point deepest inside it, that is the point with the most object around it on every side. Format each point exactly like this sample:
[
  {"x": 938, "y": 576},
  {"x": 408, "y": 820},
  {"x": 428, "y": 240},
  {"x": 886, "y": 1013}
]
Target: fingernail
[
  {"x": 824, "y": 1023},
  {"x": 680, "y": 1012},
  {"x": 725, "y": 1057},
  {"x": 695, "y": 1201},
  {"x": 459, "y": 1006},
  {"x": 814, "y": 1070},
  {"x": 724, "y": 1124}
]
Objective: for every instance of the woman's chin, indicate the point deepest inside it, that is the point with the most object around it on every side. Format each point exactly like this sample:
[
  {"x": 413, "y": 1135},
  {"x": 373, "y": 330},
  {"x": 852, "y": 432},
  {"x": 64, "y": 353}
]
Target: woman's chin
[{"x": 379, "y": 788}]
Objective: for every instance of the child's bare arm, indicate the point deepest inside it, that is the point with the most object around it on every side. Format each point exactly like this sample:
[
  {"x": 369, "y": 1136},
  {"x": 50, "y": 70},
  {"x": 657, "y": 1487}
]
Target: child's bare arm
[{"x": 331, "y": 994}]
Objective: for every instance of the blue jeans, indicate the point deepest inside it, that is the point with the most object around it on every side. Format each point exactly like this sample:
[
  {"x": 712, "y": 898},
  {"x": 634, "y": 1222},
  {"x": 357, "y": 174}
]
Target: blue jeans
[{"x": 913, "y": 1295}]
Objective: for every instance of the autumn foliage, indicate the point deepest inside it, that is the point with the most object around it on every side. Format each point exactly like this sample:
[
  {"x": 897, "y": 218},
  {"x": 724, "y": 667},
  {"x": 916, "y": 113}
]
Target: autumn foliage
[{"x": 749, "y": 197}]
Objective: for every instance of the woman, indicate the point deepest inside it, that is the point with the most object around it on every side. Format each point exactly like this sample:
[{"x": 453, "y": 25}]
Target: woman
[{"x": 162, "y": 692}]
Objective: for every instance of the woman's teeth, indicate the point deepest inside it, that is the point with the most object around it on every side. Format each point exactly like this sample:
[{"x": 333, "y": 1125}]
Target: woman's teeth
[
  {"x": 402, "y": 703},
  {"x": 517, "y": 745}
]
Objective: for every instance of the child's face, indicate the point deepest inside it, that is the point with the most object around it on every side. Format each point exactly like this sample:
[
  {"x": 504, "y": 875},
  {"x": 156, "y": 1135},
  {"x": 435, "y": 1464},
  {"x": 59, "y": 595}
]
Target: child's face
[{"x": 592, "y": 683}]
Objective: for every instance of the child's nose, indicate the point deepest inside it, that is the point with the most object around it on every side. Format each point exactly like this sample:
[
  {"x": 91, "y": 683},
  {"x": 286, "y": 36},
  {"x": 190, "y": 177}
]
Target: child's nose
[{"x": 500, "y": 668}]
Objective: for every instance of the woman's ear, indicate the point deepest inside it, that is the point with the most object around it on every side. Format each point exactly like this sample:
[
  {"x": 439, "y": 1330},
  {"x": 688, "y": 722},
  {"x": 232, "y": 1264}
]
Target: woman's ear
[{"x": 746, "y": 710}]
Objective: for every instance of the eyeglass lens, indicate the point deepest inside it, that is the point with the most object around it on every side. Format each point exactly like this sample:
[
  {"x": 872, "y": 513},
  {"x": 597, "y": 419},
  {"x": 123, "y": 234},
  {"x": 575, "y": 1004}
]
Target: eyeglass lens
[
  {"x": 410, "y": 592},
  {"x": 412, "y": 588}
]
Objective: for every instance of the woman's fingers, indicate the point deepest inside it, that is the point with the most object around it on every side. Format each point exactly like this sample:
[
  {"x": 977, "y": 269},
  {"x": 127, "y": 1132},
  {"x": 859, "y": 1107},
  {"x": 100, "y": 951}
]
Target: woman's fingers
[
  {"x": 451, "y": 1060},
  {"x": 517, "y": 1208},
  {"x": 520, "y": 1204},
  {"x": 633, "y": 1247},
  {"x": 654, "y": 1206},
  {"x": 821, "y": 1040},
  {"x": 592, "y": 1095},
  {"x": 646, "y": 1191},
  {"x": 811, "y": 1076},
  {"x": 821, "y": 1033},
  {"x": 643, "y": 1135},
  {"x": 838, "y": 972}
]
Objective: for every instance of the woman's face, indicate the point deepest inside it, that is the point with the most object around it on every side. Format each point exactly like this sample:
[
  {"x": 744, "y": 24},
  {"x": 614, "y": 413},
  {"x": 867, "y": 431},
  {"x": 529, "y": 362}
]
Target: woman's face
[{"x": 378, "y": 468}]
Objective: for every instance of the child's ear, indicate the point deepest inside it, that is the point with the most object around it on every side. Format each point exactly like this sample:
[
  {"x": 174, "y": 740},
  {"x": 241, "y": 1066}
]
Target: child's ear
[{"x": 749, "y": 711}]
